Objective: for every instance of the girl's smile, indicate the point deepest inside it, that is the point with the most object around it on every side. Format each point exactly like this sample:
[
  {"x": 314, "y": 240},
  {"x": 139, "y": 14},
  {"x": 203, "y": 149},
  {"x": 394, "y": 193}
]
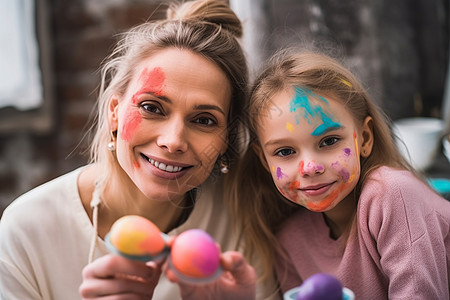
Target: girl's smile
[{"x": 311, "y": 146}]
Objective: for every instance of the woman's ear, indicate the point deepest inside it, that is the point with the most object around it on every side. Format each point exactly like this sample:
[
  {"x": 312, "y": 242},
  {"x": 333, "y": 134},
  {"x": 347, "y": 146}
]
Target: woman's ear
[
  {"x": 260, "y": 153},
  {"x": 367, "y": 137},
  {"x": 113, "y": 108}
]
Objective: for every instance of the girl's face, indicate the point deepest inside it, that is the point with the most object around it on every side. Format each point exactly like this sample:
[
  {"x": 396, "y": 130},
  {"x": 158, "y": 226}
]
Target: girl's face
[
  {"x": 311, "y": 145},
  {"x": 171, "y": 123}
]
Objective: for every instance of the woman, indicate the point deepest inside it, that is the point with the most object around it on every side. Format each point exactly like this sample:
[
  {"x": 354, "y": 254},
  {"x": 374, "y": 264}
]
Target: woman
[{"x": 168, "y": 112}]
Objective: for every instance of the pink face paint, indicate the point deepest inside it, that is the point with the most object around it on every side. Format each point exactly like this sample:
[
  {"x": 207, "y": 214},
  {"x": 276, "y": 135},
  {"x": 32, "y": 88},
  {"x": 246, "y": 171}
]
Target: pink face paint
[
  {"x": 132, "y": 121},
  {"x": 152, "y": 81}
]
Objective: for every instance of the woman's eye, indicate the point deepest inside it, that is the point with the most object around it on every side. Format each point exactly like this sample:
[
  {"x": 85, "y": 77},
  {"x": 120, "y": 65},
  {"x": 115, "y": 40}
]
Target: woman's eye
[
  {"x": 284, "y": 152},
  {"x": 330, "y": 141},
  {"x": 205, "y": 121},
  {"x": 151, "y": 108}
]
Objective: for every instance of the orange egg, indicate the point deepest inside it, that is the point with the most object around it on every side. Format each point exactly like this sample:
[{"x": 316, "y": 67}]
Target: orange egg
[{"x": 136, "y": 235}]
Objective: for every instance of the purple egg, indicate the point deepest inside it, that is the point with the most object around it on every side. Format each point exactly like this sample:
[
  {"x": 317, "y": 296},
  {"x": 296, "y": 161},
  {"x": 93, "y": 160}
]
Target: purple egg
[{"x": 320, "y": 286}]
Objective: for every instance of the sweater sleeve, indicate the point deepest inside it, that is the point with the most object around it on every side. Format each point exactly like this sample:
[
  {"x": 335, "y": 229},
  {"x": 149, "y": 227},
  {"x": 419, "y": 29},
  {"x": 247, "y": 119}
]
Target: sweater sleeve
[{"x": 409, "y": 224}]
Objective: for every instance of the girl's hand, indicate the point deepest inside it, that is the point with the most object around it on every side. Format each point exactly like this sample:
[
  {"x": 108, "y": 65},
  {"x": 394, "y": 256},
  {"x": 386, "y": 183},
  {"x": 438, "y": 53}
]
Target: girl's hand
[
  {"x": 238, "y": 281},
  {"x": 115, "y": 277}
]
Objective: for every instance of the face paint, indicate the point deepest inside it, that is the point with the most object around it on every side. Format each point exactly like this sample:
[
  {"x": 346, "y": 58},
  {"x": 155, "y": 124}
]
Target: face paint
[
  {"x": 132, "y": 121},
  {"x": 280, "y": 174},
  {"x": 311, "y": 111},
  {"x": 289, "y": 127},
  {"x": 151, "y": 81}
]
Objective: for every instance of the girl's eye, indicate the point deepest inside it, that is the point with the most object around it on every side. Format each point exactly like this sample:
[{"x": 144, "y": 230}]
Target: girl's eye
[
  {"x": 330, "y": 141},
  {"x": 284, "y": 152},
  {"x": 151, "y": 108},
  {"x": 205, "y": 121}
]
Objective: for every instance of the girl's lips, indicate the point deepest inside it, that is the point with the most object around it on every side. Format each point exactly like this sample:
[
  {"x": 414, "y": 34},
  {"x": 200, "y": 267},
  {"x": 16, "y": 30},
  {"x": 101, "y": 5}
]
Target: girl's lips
[{"x": 314, "y": 190}]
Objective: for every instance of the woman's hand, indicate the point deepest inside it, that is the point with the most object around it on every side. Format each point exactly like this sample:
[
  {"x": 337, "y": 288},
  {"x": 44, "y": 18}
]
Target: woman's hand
[
  {"x": 115, "y": 277},
  {"x": 238, "y": 281}
]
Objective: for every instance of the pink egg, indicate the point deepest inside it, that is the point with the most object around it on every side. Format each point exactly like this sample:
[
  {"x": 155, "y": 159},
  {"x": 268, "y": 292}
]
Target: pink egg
[
  {"x": 195, "y": 254},
  {"x": 136, "y": 235}
]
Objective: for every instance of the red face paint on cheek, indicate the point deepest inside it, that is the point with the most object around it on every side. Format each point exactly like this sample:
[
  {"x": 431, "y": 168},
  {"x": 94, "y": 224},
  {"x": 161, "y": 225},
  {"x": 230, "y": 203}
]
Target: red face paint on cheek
[
  {"x": 294, "y": 185},
  {"x": 132, "y": 121}
]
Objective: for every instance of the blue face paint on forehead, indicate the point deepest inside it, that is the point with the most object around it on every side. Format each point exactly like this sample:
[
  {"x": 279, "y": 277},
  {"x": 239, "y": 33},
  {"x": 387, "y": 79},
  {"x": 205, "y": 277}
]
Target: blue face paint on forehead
[{"x": 311, "y": 111}]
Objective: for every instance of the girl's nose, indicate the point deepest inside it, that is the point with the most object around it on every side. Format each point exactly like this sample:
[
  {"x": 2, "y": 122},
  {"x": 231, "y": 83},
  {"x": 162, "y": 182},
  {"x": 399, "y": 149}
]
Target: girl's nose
[
  {"x": 173, "y": 137},
  {"x": 310, "y": 168}
]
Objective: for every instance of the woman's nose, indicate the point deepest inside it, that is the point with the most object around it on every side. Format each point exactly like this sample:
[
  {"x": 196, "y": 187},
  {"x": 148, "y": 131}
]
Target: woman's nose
[
  {"x": 310, "y": 168},
  {"x": 173, "y": 137}
]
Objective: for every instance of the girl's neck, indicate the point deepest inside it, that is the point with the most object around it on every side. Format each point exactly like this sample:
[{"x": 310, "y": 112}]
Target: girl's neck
[
  {"x": 340, "y": 218},
  {"x": 121, "y": 197}
]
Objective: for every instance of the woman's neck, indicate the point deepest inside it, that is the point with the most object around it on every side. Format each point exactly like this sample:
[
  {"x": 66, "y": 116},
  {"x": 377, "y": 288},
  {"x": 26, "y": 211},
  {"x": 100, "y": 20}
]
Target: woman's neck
[{"x": 121, "y": 197}]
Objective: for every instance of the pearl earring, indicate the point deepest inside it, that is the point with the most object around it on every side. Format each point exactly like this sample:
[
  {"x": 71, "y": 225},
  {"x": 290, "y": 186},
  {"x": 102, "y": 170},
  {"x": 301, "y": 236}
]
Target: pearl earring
[
  {"x": 112, "y": 143},
  {"x": 111, "y": 146},
  {"x": 224, "y": 165}
]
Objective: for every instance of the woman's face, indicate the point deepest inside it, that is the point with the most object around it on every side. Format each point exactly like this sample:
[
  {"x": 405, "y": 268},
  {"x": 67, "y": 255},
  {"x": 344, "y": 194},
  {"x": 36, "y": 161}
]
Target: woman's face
[
  {"x": 312, "y": 148},
  {"x": 171, "y": 123}
]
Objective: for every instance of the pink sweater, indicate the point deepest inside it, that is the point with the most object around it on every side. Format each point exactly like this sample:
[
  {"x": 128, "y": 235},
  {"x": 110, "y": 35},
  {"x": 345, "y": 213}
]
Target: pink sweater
[{"x": 398, "y": 248}]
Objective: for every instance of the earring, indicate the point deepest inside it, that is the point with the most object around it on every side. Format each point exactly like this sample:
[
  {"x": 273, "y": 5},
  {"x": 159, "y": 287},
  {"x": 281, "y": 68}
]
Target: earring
[
  {"x": 224, "y": 165},
  {"x": 112, "y": 144}
]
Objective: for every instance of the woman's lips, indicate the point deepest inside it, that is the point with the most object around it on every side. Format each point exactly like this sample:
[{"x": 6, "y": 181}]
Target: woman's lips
[{"x": 166, "y": 169}]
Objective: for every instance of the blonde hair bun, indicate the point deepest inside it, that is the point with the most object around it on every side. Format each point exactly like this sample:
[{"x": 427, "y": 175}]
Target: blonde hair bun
[{"x": 211, "y": 11}]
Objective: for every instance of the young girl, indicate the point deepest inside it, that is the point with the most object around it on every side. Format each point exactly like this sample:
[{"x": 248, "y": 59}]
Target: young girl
[
  {"x": 351, "y": 206},
  {"x": 163, "y": 127}
]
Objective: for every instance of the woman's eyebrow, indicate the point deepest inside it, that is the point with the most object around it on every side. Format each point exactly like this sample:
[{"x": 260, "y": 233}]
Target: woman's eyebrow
[{"x": 209, "y": 107}]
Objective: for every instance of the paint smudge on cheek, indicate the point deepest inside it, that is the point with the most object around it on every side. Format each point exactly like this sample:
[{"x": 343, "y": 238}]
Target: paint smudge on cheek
[
  {"x": 345, "y": 174},
  {"x": 347, "y": 151},
  {"x": 132, "y": 121},
  {"x": 294, "y": 185},
  {"x": 341, "y": 170},
  {"x": 280, "y": 174},
  {"x": 136, "y": 165}
]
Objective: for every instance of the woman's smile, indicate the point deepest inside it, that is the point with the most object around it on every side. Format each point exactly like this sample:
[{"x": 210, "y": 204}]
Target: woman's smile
[{"x": 166, "y": 169}]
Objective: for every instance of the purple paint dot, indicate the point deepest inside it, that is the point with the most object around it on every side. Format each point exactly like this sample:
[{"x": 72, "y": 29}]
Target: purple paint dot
[{"x": 347, "y": 151}]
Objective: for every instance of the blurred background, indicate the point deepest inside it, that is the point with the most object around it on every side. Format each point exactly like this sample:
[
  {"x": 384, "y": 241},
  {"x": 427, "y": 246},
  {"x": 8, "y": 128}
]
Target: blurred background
[{"x": 51, "y": 50}]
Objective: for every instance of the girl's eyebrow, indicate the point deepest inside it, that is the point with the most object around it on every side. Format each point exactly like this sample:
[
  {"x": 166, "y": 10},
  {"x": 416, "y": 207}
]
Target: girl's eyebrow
[{"x": 324, "y": 128}]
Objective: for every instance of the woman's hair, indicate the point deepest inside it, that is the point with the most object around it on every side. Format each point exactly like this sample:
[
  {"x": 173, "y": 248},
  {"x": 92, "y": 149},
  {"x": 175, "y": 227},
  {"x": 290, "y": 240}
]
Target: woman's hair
[
  {"x": 255, "y": 202},
  {"x": 205, "y": 27}
]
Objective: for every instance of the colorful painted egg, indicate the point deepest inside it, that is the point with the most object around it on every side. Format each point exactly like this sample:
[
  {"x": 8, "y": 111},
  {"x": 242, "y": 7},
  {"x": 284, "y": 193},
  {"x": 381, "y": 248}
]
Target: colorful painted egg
[
  {"x": 195, "y": 255},
  {"x": 136, "y": 237},
  {"x": 320, "y": 286}
]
